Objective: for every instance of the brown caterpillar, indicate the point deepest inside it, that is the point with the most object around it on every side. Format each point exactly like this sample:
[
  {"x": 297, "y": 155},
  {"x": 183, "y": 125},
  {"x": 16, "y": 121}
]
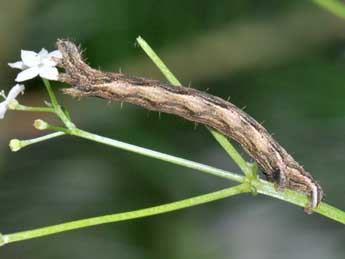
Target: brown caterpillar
[{"x": 192, "y": 105}]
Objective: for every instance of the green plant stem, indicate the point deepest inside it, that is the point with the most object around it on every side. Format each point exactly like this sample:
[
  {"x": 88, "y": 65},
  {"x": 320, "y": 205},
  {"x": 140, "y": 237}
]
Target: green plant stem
[
  {"x": 263, "y": 187},
  {"x": 51, "y": 94},
  {"x": 44, "y": 138},
  {"x": 19, "y": 107},
  {"x": 20, "y": 236},
  {"x": 27, "y": 142},
  {"x": 158, "y": 62},
  {"x": 259, "y": 185},
  {"x": 333, "y": 6},
  {"x": 229, "y": 148},
  {"x": 157, "y": 155},
  {"x": 222, "y": 140},
  {"x": 268, "y": 189},
  {"x": 58, "y": 110}
]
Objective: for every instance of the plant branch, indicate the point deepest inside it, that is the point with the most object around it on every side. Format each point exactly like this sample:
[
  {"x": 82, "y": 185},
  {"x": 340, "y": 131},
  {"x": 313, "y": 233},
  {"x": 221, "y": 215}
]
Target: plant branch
[
  {"x": 333, "y": 6},
  {"x": 51, "y": 94},
  {"x": 20, "y": 236},
  {"x": 14, "y": 105},
  {"x": 157, "y": 155},
  {"x": 16, "y": 144},
  {"x": 158, "y": 62},
  {"x": 233, "y": 153},
  {"x": 259, "y": 186},
  {"x": 299, "y": 199},
  {"x": 58, "y": 110}
]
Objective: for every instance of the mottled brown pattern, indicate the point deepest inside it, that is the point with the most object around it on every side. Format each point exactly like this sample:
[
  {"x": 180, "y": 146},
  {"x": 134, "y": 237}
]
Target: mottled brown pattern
[{"x": 192, "y": 105}]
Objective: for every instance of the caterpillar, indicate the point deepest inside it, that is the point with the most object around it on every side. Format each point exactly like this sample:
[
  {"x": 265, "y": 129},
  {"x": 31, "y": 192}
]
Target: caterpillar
[{"x": 193, "y": 105}]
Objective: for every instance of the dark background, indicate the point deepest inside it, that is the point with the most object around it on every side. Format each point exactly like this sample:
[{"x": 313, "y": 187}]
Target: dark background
[{"x": 283, "y": 60}]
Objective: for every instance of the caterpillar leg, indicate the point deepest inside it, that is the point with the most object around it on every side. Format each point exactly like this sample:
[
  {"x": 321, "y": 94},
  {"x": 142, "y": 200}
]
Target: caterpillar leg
[
  {"x": 279, "y": 180},
  {"x": 299, "y": 182},
  {"x": 315, "y": 197}
]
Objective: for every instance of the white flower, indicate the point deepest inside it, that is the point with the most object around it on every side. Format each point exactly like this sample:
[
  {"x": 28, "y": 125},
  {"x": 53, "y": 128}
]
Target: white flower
[
  {"x": 14, "y": 92},
  {"x": 34, "y": 64}
]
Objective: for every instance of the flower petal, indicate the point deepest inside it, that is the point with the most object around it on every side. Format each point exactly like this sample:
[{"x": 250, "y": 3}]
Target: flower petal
[
  {"x": 47, "y": 62},
  {"x": 55, "y": 54},
  {"x": 3, "y": 109},
  {"x": 43, "y": 53},
  {"x": 27, "y": 74},
  {"x": 14, "y": 92},
  {"x": 30, "y": 58},
  {"x": 50, "y": 73},
  {"x": 54, "y": 57},
  {"x": 18, "y": 64}
]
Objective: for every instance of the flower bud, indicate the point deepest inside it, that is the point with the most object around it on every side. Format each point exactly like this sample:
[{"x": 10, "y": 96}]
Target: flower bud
[
  {"x": 15, "y": 145},
  {"x": 40, "y": 124}
]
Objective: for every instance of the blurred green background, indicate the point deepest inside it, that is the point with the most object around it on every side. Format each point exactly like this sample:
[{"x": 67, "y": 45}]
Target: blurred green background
[{"x": 283, "y": 60}]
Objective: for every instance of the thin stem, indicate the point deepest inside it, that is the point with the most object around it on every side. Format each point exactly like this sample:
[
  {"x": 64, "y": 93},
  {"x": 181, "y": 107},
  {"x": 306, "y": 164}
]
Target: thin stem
[
  {"x": 20, "y": 236},
  {"x": 299, "y": 199},
  {"x": 157, "y": 155},
  {"x": 58, "y": 110},
  {"x": 16, "y": 144},
  {"x": 246, "y": 186},
  {"x": 42, "y": 138},
  {"x": 222, "y": 140},
  {"x": 58, "y": 129},
  {"x": 159, "y": 63},
  {"x": 19, "y": 107},
  {"x": 259, "y": 185},
  {"x": 333, "y": 6},
  {"x": 51, "y": 94},
  {"x": 229, "y": 148}
]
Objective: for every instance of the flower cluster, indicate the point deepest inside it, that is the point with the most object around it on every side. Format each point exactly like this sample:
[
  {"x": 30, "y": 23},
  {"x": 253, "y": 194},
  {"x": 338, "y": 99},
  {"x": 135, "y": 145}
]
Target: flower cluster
[{"x": 32, "y": 64}]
